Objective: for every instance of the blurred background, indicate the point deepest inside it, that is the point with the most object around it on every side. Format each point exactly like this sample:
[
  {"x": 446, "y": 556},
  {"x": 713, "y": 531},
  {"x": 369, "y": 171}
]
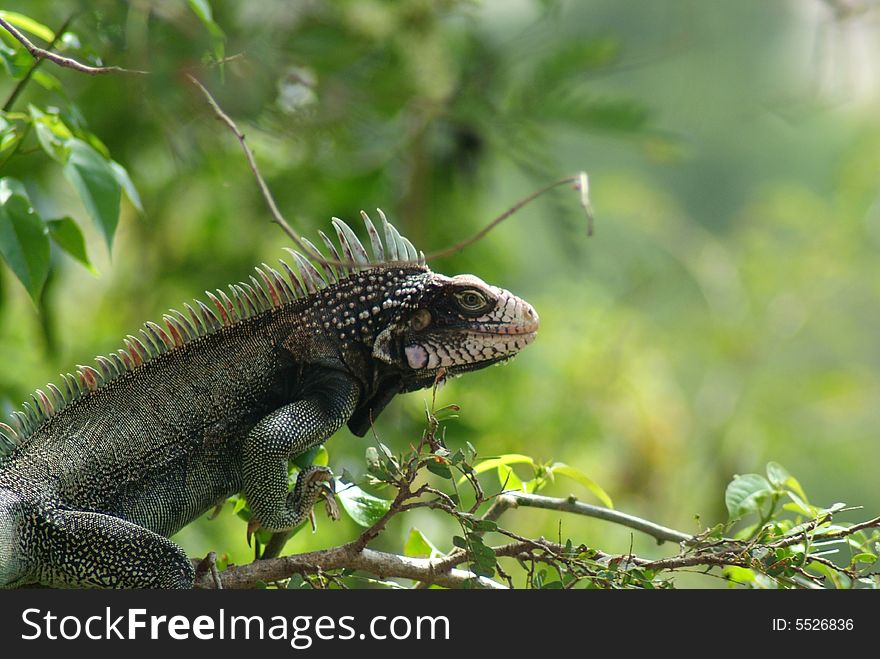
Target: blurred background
[{"x": 725, "y": 314}]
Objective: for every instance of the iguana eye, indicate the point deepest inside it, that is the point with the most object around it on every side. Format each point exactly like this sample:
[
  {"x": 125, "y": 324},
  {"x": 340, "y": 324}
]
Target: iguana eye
[
  {"x": 421, "y": 320},
  {"x": 471, "y": 300}
]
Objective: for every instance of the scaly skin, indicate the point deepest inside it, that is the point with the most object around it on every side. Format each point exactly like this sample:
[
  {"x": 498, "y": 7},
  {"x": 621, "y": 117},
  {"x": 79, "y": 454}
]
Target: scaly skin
[{"x": 104, "y": 469}]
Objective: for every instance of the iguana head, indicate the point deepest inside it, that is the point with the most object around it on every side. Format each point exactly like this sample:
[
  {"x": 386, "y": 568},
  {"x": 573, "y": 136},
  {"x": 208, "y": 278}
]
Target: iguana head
[{"x": 451, "y": 325}]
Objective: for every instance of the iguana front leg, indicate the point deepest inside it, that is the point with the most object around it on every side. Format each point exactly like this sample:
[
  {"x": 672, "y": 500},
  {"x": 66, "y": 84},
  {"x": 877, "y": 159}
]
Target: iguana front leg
[{"x": 286, "y": 432}]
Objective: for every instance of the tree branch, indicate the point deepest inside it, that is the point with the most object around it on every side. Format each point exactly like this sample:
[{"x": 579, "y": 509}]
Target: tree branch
[
  {"x": 41, "y": 53},
  {"x": 516, "y": 499},
  {"x": 381, "y": 564}
]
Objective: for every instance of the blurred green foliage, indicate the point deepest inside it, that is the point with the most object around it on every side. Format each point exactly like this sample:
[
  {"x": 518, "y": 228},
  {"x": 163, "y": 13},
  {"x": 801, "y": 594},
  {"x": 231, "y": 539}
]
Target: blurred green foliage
[{"x": 725, "y": 315}]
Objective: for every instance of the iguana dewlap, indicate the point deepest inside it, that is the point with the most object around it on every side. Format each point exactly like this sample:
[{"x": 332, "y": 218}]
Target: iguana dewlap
[{"x": 100, "y": 470}]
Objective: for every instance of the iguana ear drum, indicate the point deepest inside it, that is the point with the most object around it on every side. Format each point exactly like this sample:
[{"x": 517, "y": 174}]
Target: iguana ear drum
[{"x": 416, "y": 356}]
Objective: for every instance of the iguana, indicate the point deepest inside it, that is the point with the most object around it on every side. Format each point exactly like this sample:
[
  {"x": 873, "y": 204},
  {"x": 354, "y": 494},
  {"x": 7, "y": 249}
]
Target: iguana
[{"x": 99, "y": 471}]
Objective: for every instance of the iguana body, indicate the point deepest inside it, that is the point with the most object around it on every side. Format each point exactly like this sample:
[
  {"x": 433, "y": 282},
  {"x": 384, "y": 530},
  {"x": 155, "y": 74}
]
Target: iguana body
[{"x": 100, "y": 471}]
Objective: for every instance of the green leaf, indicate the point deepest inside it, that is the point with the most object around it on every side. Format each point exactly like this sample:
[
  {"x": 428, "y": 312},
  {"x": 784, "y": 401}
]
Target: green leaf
[
  {"x": 777, "y": 474},
  {"x": 28, "y": 24},
  {"x": 435, "y": 466},
  {"x": 202, "y": 9},
  {"x": 418, "y": 546},
  {"x": 864, "y": 557},
  {"x": 12, "y": 186},
  {"x": 68, "y": 236},
  {"x": 24, "y": 243},
  {"x": 9, "y": 134},
  {"x": 363, "y": 508},
  {"x": 745, "y": 493},
  {"x": 17, "y": 61},
  {"x": 95, "y": 182},
  {"x": 47, "y": 81},
  {"x": 492, "y": 463},
  {"x": 583, "y": 479},
  {"x": 239, "y": 505},
  {"x": 125, "y": 181},
  {"x": 317, "y": 455},
  {"x": 508, "y": 479},
  {"x": 484, "y": 526},
  {"x": 52, "y": 134}
]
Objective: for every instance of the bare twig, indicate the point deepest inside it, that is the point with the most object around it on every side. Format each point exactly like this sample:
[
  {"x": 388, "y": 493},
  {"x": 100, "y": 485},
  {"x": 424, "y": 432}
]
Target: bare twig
[
  {"x": 516, "y": 499},
  {"x": 581, "y": 183},
  {"x": 67, "y": 62},
  {"x": 36, "y": 64}
]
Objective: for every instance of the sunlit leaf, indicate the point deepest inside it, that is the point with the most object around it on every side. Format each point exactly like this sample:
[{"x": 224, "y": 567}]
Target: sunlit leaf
[
  {"x": 24, "y": 241},
  {"x": 16, "y": 60},
  {"x": 52, "y": 134},
  {"x": 579, "y": 476},
  {"x": 777, "y": 474},
  {"x": 28, "y": 24},
  {"x": 363, "y": 508},
  {"x": 418, "y": 546},
  {"x": 508, "y": 479},
  {"x": 127, "y": 184},
  {"x": 68, "y": 236},
  {"x": 745, "y": 494},
  {"x": 97, "y": 186},
  {"x": 507, "y": 459}
]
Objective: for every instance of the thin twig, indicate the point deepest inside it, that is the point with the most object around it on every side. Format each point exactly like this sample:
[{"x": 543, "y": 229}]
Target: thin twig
[
  {"x": 581, "y": 183},
  {"x": 36, "y": 64},
  {"x": 67, "y": 62},
  {"x": 277, "y": 217},
  {"x": 570, "y": 505}
]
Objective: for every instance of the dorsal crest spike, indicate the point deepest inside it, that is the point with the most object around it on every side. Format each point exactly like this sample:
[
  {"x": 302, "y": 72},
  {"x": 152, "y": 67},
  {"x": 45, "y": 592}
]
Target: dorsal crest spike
[
  {"x": 233, "y": 315},
  {"x": 137, "y": 350},
  {"x": 194, "y": 323},
  {"x": 310, "y": 277},
  {"x": 211, "y": 321},
  {"x": 390, "y": 239},
  {"x": 347, "y": 238},
  {"x": 224, "y": 317},
  {"x": 296, "y": 285},
  {"x": 71, "y": 386},
  {"x": 329, "y": 275},
  {"x": 411, "y": 254},
  {"x": 246, "y": 299},
  {"x": 43, "y": 403},
  {"x": 105, "y": 367},
  {"x": 120, "y": 364},
  {"x": 10, "y": 433},
  {"x": 125, "y": 358},
  {"x": 162, "y": 340},
  {"x": 284, "y": 290},
  {"x": 89, "y": 377},
  {"x": 31, "y": 415},
  {"x": 341, "y": 270},
  {"x": 402, "y": 252},
  {"x": 262, "y": 298},
  {"x": 274, "y": 294},
  {"x": 20, "y": 421},
  {"x": 375, "y": 241},
  {"x": 58, "y": 399},
  {"x": 174, "y": 330}
]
